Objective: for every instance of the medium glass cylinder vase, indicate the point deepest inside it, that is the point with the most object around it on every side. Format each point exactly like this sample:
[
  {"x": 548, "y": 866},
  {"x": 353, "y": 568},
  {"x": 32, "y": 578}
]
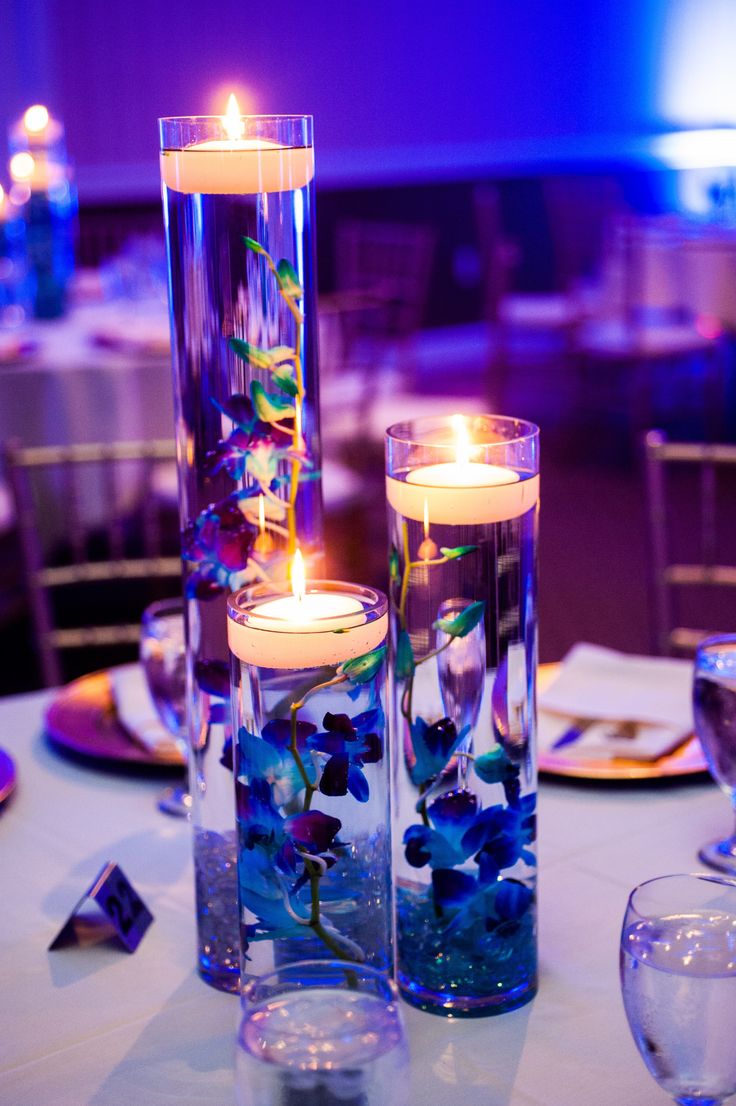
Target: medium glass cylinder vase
[
  {"x": 463, "y": 502},
  {"x": 312, "y": 775},
  {"x": 238, "y": 206}
]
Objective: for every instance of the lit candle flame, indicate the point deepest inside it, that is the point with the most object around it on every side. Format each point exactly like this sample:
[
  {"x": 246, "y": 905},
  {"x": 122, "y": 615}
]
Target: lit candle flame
[
  {"x": 298, "y": 580},
  {"x": 22, "y": 166},
  {"x": 462, "y": 440},
  {"x": 36, "y": 119},
  {"x": 231, "y": 120},
  {"x": 261, "y": 514}
]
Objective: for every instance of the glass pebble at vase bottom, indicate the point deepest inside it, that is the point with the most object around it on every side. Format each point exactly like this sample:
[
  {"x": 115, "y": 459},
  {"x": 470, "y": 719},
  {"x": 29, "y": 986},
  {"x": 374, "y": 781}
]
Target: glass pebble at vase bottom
[
  {"x": 463, "y": 503},
  {"x": 678, "y": 977},
  {"x": 322, "y": 1033},
  {"x": 312, "y": 774},
  {"x": 239, "y": 214}
]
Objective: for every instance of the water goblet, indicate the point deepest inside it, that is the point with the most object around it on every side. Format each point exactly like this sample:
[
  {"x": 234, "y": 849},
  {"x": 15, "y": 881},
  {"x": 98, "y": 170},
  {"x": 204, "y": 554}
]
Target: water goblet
[
  {"x": 163, "y": 657},
  {"x": 322, "y": 1033},
  {"x": 678, "y": 979},
  {"x": 714, "y": 708}
]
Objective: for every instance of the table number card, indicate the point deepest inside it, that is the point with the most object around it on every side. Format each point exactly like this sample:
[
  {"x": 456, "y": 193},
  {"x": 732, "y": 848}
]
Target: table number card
[{"x": 121, "y": 906}]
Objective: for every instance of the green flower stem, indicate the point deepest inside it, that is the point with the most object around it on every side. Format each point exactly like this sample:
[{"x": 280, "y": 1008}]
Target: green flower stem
[
  {"x": 298, "y": 318},
  {"x": 309, "y": 787},
  {"x": 422, "y": 806}
]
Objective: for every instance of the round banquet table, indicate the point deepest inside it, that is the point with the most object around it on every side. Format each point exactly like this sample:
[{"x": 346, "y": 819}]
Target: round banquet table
[{"x": 96, "y": 1026}]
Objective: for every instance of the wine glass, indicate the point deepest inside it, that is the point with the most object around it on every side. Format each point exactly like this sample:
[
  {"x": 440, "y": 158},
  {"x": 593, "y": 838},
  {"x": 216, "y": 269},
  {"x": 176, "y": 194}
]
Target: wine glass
[
  {"x": 322, "y": 1033},
  {"x": 714, "y": 707},
  {"x": 163, "y": 657},
  {"x": 461, "y": 666},
  {"x": 678, "y": 979}
]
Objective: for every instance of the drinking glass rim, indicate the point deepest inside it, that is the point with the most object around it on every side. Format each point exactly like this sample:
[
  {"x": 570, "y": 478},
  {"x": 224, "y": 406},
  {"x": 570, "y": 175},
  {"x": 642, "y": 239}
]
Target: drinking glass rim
[
  {"x": 703, "y": 877},
  {"x": 713, "y": 640},
  {"x": 338, "y": 967},
  {"x": 161, "y": 607}
]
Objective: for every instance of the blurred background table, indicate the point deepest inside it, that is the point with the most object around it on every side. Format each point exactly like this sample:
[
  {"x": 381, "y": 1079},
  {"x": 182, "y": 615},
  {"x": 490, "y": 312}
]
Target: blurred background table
[{"x": 99, "y": 1027}]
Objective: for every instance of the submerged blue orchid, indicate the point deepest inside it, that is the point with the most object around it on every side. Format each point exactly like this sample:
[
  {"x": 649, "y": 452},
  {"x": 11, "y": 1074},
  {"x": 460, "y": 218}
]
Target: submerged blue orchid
[
  {"x": 349, "y": 743},
  {"x": 440, "y": 845},
  {"x": 433, "y": 746},
  {"x": 219, "y": 544},
  {"x": 269, "y": 758}
]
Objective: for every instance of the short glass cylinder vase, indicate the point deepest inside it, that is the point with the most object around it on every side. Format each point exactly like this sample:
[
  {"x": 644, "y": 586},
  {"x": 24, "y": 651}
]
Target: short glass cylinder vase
[
  {"x": 463, "y": 503},
  {"x": 312, "y": 775},
  {"x": 238, "y": 208}
]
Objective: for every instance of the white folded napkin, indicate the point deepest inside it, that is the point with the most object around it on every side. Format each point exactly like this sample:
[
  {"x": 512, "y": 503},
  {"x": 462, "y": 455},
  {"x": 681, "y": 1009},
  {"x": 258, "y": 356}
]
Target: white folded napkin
[
  {"x": 602, "y": 690},
  {"x": 137, "y": 713}
]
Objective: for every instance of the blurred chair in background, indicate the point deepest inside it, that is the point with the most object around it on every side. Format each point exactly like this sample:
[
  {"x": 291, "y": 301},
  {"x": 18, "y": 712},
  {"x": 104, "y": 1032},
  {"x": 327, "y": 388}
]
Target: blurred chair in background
[
  {"x": 647, "y": 325},
  {"x": 89, "y": 577},
  {"x": 691, "y": 501},
  {"x": 542, "y": 324},
  {"x": 383, "y": 273}
]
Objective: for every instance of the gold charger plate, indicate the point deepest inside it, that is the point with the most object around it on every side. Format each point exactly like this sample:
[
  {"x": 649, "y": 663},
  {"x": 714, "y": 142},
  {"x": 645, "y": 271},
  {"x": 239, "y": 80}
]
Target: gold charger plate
[
  {"x": 687, "y": 760},
  {"x": 82, "y": 720}
]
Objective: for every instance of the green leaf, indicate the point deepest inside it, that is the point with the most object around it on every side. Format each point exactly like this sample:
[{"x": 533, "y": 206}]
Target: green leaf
[
  {"x": 458, "y": 551},
  {"x": 404, "y": 663},
  {"x": 393, "y": 564},
  {"x": 464, "y": 622},
  {"x": 360, "y": 670},
  {"x": 268, "y": 406},
  {"x": 256, "y": 247},
  {"x": 494, "y": 767},
  {"x": 288, "y": 280},
  {"x": 259, "y": 358},
  {"x": 283, "y": 378},
  {"x": 279, "y": 354}
]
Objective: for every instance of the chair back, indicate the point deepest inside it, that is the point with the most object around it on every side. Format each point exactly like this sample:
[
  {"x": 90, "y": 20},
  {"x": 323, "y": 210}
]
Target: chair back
[
  {"x": 691, "y": 499},
  {"x": 392, "y": 264},
  {"x": 112, "y": 541}
]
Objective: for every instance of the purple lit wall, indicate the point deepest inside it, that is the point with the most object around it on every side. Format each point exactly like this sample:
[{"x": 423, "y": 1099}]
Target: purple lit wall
[{"x": 399, "y": 90}]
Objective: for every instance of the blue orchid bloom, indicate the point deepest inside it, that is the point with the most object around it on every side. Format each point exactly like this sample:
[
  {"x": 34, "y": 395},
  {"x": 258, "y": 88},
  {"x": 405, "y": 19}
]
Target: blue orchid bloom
[
  {"x": 349, "y": 743},
  {"x": 433, "y": 747},
  {"x": 440, "y": 845},
  {"x": 268, "y": 757}
]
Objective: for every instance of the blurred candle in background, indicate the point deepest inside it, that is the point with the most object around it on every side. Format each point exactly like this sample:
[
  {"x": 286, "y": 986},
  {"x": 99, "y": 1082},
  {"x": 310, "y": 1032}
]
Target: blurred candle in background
[{"x": 45, "y": 197}]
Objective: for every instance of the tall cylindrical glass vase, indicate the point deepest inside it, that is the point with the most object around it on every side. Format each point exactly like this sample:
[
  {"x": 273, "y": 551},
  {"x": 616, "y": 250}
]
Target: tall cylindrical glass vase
[
  {"x": 312, "y": 775},
  {"x": 463, "y": 501},
  {"x": 238, "y": 207}
]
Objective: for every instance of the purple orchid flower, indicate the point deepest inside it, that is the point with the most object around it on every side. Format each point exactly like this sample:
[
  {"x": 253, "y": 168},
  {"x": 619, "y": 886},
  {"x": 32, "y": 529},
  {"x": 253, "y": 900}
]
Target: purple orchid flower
[
  {"x": 349, "y": 745},
  {"x": 219, "y": 543},
  {"x": 440, "y": 845}
]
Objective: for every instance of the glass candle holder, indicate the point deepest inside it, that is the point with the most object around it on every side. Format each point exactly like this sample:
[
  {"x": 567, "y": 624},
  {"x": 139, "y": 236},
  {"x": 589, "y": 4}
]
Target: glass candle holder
[
  {"x": 238, "y": 207},
  {"x": 463, "y": 502},
  {"x": 312, "y": 775},
  {"x": 45, "y": 199}
]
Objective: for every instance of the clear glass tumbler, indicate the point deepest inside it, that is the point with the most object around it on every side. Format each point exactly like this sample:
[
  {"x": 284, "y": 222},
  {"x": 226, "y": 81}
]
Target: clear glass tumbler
[
  {"x": 678, "y": 978},
  {"x": 322, "y": 1033}
]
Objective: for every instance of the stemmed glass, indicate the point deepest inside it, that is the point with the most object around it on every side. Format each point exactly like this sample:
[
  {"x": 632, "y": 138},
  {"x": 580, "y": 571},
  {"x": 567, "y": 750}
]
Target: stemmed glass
[
  {"x": 678, "y": 978},
  {"x": 714, "y": 707},
  {"x": 163, "y": 657},
  {"x": 322, "y": 1033}
]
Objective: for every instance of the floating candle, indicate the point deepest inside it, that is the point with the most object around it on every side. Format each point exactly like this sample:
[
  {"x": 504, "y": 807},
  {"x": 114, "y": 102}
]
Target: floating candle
[
  {"x": 324, "y": 623},
  {"x": 462, "y": 492},
  {"x": 235, "y": 164}
]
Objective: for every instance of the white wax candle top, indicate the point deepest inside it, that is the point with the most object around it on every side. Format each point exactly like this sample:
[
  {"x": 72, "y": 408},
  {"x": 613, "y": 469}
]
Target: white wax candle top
[
  {"x": 291, "y": 614},
  {"x": 462, "y": 474}
]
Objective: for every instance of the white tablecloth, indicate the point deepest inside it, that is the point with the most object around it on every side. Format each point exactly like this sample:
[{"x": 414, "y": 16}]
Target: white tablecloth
[
  {"x": 71, "y": 390},
  {"x": 99, "y": 1027}
]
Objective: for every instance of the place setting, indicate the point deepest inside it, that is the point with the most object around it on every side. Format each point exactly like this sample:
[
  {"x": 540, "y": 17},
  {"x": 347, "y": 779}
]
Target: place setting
[{"x": 332, "y": 834}]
